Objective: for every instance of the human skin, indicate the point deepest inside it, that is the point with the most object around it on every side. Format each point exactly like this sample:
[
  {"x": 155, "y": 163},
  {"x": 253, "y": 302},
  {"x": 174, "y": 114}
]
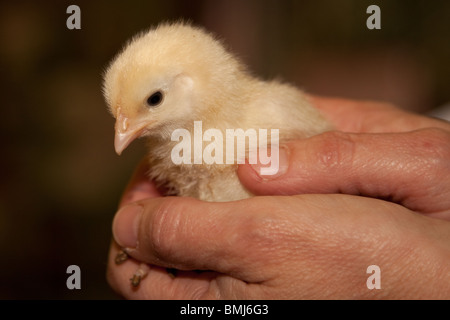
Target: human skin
[{"x": 374, "y": 192}]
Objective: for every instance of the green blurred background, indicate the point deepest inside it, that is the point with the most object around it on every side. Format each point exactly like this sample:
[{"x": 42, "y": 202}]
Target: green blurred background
[{"x": 60, "y": 177}]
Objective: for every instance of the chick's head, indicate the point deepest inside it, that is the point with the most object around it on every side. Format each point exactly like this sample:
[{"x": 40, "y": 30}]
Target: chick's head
[{"x": 164, "y": 79}]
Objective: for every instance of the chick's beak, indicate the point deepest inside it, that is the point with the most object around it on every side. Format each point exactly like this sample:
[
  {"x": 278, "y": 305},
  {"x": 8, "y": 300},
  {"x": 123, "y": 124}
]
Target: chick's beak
[{"x": 126, "y": 131}]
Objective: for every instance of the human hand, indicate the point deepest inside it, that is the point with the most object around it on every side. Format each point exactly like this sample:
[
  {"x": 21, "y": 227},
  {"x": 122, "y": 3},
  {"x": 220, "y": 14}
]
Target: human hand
[
  {"x": 379, "y": 152},
  {"x": 309, "y": 246}
]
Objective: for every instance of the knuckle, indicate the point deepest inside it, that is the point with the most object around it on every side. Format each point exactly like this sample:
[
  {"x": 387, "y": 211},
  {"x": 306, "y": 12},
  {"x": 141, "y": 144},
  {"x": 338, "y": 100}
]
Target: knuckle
[
  {"x": 438, "y": 140},
  {"x": 163, "y": 227},
  {"x": 335, "y": 149},
  {"x": 266, "y": 232},
  {"x": 434, "y": 144}
]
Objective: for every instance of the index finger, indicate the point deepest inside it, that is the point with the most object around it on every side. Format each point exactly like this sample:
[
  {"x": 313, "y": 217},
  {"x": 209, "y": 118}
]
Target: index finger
[{"x": 374, "y": 117}]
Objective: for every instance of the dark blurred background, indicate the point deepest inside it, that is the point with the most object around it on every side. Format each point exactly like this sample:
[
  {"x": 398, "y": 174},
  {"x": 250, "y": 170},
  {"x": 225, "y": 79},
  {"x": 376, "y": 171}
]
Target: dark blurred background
[{"x": 60, "y": 177}]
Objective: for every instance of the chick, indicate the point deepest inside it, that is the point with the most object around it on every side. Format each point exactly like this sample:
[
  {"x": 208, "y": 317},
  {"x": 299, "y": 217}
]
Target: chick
[{"x": 176, "y": 74}]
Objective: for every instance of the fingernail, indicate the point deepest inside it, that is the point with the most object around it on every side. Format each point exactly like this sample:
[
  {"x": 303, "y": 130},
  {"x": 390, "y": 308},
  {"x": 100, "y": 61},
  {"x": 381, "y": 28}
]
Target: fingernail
[
  {"x": 276, "y": 167},
  {"x": 126, "y": 224}
]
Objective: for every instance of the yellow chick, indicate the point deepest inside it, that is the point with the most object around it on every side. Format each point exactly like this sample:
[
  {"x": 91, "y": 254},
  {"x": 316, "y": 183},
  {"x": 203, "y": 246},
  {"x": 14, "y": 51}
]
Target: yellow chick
[
  {"x": 179, "y": 79},
  {"x": 177, "y": 76}
]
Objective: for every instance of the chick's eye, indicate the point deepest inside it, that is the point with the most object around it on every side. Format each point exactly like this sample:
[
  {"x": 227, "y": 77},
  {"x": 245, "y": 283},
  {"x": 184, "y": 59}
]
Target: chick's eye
[{"x": 155, "y": 99}]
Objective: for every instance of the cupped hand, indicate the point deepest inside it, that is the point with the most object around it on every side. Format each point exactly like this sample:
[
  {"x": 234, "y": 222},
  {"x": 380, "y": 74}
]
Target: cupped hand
[
  {"x": 310, "y": 245},
  {"x": 379, "y": 151}
]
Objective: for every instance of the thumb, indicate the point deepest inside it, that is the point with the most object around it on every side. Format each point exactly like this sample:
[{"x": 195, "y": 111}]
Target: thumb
[{"x": 406, "y": 168}]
